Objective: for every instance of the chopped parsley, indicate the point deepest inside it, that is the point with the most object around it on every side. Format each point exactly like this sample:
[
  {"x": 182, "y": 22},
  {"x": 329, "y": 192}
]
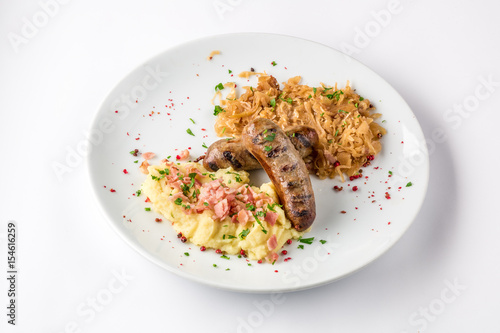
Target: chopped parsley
[
  {"x": 244, "y": 233},
  {"x": 178, "y": 201},
  {"x": 310, "y": 96},
  {"x": 306, "y": 240},
  {"x": 270, "y": 137},
  {"x": 186, "y": 254},
  {"x": 268, "y": 148},
  {"x": 250, "y": 207},
  {"x": 218, "y": 110},
  {"x": 229, "y": 71},
  {"x": 260, "y": 223},
  {"x": 322, "y": 241},
  {"x": 322, "y": 114},
  {"x": 147, "y": 209},
  {"x": 326, "y": 89},
  {"x": 342, "y": 111},
  {"x": 215, "y": 265},
  {"x": 205, "y": 203},
  {"x": 336, "y": 132},
  {"x": 138, "y": 192},
  {"x": 204, "y": 145},
  {"x": 409, "y": 184},
  {"x": 220, "y": 86},
  {"x": 356, "y": 104},
  {"x": 136, "y": 161},
  {"x": 314, "y": 90},
  {"x": 188, "y": 131},
  {"x": 288, "y": 100},
  {"x": 361, "y": 98},
  {"x": 271, "y": 207},
  {"x": 166, "y": 171},
  {"x": 274, "y": 63},
  {"x": 224, "y": 257},
  {"x": 272, "y": 102},
  {"x": 231, "y": 236},
  {"x": 192, "y": 120},
  {"x": 335, "y": 95},
  {"x": 300, "y": 247},
  {"x": 390, "y": 172}
]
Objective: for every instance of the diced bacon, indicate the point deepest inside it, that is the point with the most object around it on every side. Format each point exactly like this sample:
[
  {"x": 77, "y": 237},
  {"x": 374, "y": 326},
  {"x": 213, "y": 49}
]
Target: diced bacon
[
  {"x": 271, "y": 218},
  {"x": 272, "y": 243},
  {"x": 329, "y": 157},
  {"x": 148, "y": 155},
  {"x": 221, "y": 209},
  {"x": 243, "y": 217},
  {"x": 183, "y": 155},
  {"x": 144, "y": 167},
  {"x": 272, "y": 257}
]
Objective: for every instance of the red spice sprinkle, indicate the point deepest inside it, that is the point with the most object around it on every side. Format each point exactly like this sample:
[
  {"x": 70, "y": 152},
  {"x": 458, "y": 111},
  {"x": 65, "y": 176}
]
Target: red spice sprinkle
[
  {"x": 343, "y": 212},
  {"x": 260, "y": 261},
  {"x": 338, "y": 189},
  {"x": 158, "y": 220},
  {"x": 276, "y": 271},
  {"x": 336, "y": 164},
  {"x": 354, "y": 188},
  {"x": 202, "y": 248},
  {"x": 289, "y": 241},
  {"x": 218, "y": 251},
  {"x": 203, "y": 129},
  {"x": 387, "y": 195},
  {"x": 147, "y": 199},
  {"x": 388, "y": 222},
  {"x": 284, "y": 252},
  {"x": 137, "y": 138},
  {"x": 242, "y": 252},
  {"x": 125, "y": 171},
  {"x": 183, "y": 239},
  {"x": 112, "y": 190},
  {"x": 179, "y": 235},
  {"x": 178, "y": 157},
  {"x": 116, "y": 111}
]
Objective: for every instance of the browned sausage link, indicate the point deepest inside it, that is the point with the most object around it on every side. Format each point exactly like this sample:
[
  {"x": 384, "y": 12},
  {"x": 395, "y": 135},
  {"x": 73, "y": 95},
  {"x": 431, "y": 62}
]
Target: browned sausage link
[
  {"x": 285, "y": 168},
  {"x": 232, "y": 153},
  {"x": 229, "y": 153}
]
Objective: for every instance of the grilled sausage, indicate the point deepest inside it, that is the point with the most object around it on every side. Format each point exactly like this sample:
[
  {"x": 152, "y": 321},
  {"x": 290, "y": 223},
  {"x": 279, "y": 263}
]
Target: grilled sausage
[
  {"x": 227, "y": 153},
  {"x": 286, "y": 169}
]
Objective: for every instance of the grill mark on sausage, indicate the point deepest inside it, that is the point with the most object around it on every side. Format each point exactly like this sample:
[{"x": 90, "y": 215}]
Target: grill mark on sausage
[
  {"x": 303, "y": 140},
  {"x": 230, "y": 157},
  {"x": 288, "y": 167},
  {"x": 276, "y": 152}
]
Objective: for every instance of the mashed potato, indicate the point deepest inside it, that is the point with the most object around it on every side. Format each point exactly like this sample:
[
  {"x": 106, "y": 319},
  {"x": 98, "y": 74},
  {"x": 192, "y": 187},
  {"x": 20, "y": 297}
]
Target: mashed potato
[{"x": 219, "y": 210}]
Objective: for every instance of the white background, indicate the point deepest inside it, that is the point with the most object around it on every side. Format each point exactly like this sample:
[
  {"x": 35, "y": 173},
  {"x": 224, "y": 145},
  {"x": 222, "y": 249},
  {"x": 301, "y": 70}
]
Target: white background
[{"x": 53, "y": 81}]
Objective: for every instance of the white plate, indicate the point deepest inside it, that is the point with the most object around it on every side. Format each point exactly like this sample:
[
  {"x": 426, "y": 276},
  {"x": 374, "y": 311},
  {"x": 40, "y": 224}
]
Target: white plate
[{"x": 183, "y": 76}]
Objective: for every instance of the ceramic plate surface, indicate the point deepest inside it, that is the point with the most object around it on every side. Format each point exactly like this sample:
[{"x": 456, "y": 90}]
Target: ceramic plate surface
[{"x": 150, "y": 110}]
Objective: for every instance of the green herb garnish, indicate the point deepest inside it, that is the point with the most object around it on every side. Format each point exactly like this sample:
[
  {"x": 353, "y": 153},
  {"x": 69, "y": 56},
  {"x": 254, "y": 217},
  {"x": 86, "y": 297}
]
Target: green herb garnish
[
  {"x": 409, "y": 184},
  {"x": 147, "y": 209},
  {"x": 274, "y": 63},
  {"x": 178, "y": 201},
  {"x": 188, "y": 131},
  {"x": 220, "y": 86},
  {"x": 218, "y": 110},
  {"x": 270, "y": 137},
  {"x": 306, "y": 240},
  {"x": 204, "y": 145},
  {"x": 138, "y": 192},
  {"x": 322, "y": 241},
  {"x": 244, "y": 233}
]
